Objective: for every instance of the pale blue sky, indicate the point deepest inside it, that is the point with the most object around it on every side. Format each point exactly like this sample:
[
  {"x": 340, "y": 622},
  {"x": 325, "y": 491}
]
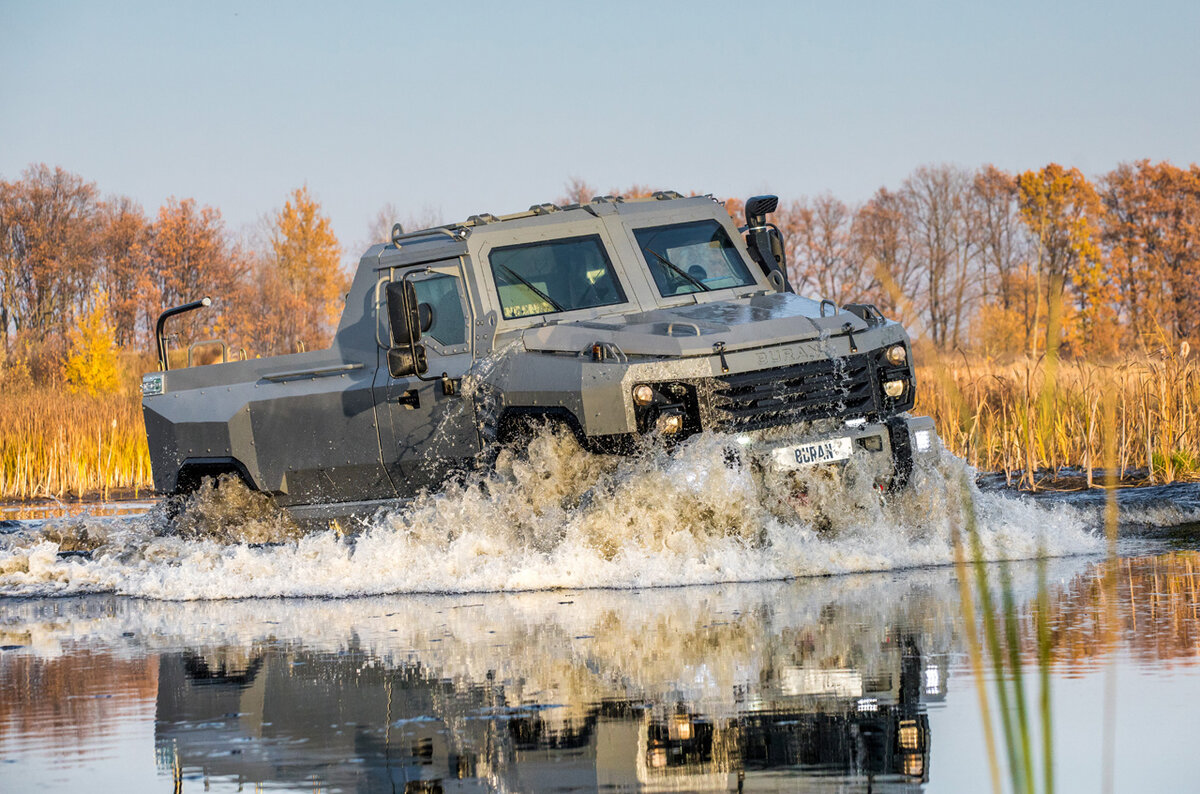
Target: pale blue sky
[{"x": 464, "y": 108}]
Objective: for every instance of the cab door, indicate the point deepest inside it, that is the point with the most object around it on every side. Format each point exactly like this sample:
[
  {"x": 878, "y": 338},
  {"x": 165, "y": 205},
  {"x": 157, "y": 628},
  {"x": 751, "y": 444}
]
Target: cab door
[{"x": 427, "y": 429}]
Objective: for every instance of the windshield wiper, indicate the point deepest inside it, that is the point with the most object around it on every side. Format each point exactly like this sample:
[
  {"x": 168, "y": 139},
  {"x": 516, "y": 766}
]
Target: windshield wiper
[
  {"x": 557, "y": 306},
  {"x": 697, "y": 282}
]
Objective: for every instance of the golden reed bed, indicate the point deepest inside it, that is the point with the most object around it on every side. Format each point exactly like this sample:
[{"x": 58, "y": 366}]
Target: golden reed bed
[
  {"x": 57, "y": 444},
  {"x": 1025, "y": 416},
  {"x": 999, "y": 416}
]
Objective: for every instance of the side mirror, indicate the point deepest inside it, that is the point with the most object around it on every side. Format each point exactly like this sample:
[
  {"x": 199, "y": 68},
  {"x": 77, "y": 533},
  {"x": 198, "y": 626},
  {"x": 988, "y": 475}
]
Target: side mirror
[
  {"x": 403, "y": 314},
  {"x": 404, "y": 361},
  {"x": 407, "y": 321}
]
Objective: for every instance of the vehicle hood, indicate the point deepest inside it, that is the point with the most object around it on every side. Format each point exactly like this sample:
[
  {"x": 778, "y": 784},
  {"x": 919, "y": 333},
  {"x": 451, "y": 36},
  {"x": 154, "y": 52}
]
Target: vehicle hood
[{"x": 692, "y": 330}]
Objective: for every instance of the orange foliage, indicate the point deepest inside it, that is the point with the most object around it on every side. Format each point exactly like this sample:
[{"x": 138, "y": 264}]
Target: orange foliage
[
  {"x": 965, "y": 259},
  {"x": 1062, "y": 211}
]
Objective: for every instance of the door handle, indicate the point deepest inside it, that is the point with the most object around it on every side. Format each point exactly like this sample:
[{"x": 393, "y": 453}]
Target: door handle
[{"x": 411, "y": 398}]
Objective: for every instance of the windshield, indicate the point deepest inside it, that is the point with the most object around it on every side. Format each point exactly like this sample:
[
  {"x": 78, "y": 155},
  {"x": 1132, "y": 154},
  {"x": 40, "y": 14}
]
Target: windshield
[
  {"x": 692, "y": 257},
  {"x": 554, "y": 276}
]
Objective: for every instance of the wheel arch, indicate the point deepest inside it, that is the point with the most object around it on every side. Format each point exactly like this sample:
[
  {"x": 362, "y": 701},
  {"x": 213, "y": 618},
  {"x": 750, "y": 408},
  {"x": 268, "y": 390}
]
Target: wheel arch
[{"x": 193, "y": 471}]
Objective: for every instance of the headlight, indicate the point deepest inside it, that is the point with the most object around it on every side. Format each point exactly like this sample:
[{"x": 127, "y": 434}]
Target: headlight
[
  {"x": 893, "y": 388},
  {"x": 896, "y": 355},
  {"x": 643, "y": 394}
]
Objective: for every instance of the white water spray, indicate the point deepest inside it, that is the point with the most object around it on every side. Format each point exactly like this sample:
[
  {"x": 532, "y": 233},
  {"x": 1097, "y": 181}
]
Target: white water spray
[{"x": 556, "y": 517}]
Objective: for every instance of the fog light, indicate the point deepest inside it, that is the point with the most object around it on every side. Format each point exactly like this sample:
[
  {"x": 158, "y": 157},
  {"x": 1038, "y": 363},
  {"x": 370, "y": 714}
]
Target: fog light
[
  {"x": 669, "y": 424},
  {"x": 871, "y": 443},
  {"x": 896, "y": 355},
  {"x": 643, "y": 394},
  {"x": 893, "y": 388},
  {"x": 910, "y": 737}
]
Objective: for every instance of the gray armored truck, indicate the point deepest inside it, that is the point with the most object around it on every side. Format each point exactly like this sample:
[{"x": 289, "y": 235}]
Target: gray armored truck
[{"x": 620, "y": 320}]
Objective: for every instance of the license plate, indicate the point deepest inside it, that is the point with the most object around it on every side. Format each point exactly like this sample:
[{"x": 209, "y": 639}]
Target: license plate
[{"x": 813, "y": 453}]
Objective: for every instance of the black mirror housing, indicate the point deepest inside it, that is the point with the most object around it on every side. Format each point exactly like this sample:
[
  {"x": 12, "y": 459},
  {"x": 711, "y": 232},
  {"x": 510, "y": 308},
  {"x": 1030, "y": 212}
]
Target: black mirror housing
[
  {"x": 403, "y": 313},
  {"x": 404, "y": 361}
]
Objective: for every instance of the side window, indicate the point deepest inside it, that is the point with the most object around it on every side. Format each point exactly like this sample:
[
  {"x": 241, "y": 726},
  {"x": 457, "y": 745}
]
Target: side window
[
  {"x": 449, "y": 323},
  {"x": 554, "y": 276}
]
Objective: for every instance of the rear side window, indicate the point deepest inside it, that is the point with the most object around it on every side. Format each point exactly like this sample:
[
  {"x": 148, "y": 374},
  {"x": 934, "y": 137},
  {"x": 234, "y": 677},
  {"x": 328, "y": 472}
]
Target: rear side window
[
  {"x": 554, "y": 276},
  {"x": 692, "y": 257}
]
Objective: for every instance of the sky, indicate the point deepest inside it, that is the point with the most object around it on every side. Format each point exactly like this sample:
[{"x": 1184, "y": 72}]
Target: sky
[{"x": 447, "y": 110}]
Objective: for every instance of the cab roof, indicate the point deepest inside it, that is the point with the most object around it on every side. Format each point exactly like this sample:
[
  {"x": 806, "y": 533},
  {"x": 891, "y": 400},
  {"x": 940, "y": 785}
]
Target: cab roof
[{"x": 449, "y": 240}]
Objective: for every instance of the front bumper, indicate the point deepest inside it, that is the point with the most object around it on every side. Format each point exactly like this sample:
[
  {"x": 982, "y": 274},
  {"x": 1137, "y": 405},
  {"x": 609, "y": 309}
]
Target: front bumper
[{"x": 893, "y": 446}]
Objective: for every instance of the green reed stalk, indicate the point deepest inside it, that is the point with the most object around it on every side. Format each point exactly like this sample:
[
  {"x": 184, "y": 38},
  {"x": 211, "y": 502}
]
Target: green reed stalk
[
  {"x": 992, "y": 635},
  {"x": 974, "y": 650},
  {"x": 1012, "y": 637},
  {"x": 1044, "y": 643}
]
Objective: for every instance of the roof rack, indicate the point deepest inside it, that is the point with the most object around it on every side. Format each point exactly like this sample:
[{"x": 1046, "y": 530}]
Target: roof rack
[
  {"x": 453, "y": 231},
  {"x": 459, "y": 231}
]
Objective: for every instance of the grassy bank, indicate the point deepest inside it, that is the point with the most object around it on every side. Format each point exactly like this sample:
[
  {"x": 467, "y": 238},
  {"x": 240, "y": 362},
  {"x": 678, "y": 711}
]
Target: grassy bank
[{"x": 1015, "y": 416}]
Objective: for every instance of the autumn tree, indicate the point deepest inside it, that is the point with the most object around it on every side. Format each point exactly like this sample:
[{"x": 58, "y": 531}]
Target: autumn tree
[
  {"x": 1002, "y": 238},
  {"x": 1062, "y": 211},
  {"x": 1004, "y": 317},
  {"x": 124, "y": 244},
  {"x": 91, "y": 361},
  {"x": 945, "y": 236},
  {"x": 820, "y": 258},
  {"x": 306, "y": 257},
  {"x": 47, "y": 248},
  {"x": 191, "y": 257},
  {"x": 881, "y": 237},
  {"x": 1152, "y": 232}
]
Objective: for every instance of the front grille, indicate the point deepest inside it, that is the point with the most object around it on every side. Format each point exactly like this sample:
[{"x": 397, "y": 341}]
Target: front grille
[{"x": 805, "y": 392}]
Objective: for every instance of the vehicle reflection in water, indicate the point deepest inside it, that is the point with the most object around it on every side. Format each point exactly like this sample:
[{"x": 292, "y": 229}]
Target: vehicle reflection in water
[
  {"x": 294, "y": 716},
  {"x": 674, "y": 690}
]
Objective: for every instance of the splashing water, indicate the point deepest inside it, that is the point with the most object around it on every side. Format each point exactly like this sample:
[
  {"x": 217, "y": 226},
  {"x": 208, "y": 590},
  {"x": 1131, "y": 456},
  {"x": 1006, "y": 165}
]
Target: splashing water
[{"x": 552, "y": 517}]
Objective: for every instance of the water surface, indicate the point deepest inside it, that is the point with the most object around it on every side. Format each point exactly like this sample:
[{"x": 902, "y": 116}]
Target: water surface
[
  {"x": 854, "y": 683},
  {"x": 577, "y": 623}
]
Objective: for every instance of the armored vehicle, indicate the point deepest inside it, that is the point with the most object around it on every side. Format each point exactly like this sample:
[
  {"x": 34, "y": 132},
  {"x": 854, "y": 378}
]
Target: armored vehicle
[{"x": 618, "y": 319}]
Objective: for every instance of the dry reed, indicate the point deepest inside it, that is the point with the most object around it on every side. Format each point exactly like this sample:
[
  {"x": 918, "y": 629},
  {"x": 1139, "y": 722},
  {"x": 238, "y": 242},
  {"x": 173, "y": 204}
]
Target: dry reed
[
  {"x": 57, "y": 444},
  {"x": 1022, "y": 416}
]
